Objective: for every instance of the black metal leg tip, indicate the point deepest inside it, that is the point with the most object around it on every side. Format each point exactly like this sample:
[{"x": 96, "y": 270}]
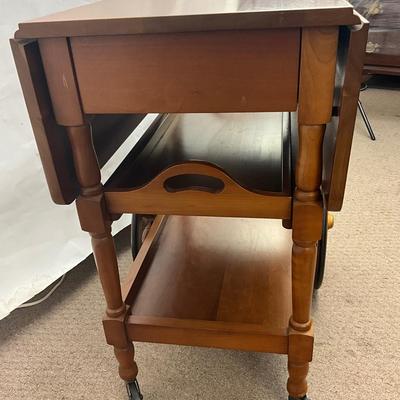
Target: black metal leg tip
[
  {"x": 133, "y": 390},
  {"x": 299, "y": 398}
]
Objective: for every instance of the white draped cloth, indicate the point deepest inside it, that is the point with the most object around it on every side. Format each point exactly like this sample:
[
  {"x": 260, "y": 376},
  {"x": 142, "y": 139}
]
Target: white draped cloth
[{"x": 39, "y": 241}]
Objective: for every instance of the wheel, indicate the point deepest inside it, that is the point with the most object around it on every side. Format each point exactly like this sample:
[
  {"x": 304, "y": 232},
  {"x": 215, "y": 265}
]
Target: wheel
[
  {"x": 133, "y": 390},
  {"x": 321, "y": 250},
  {"x": 140, "y": 226},
  {"x": 134, "y": 247}
]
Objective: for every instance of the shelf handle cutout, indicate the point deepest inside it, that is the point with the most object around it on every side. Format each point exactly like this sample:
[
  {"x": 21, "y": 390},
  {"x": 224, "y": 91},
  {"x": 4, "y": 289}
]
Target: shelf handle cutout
[
  {"x": 202, "y": 183},
  {"x": 194, "y": 176},
  {"x": 197, "y": 188}
]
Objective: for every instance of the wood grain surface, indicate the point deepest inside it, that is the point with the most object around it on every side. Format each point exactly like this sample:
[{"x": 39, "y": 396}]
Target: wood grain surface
[
  {"x": 51, "y": 138},
  {"x": 161, "y": 16},
  {"x": 226, "y": 274},
  {"x": 252, "y": 148},
  {"x": 188, "y": 72},
  {"x": 220, "y": 164},
  {"x": 339, "y": 133}
]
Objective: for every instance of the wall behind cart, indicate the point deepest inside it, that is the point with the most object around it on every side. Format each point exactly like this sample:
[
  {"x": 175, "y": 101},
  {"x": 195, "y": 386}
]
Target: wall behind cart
[{"x": 39, "y": 241}]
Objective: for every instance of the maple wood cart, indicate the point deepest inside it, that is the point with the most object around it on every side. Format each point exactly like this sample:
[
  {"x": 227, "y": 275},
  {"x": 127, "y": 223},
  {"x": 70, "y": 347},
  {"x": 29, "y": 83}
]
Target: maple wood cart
[{"x": 256, "y": 103}]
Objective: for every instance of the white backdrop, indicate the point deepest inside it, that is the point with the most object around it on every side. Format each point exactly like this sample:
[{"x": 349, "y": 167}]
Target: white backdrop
[{"x": 39, "y": 241}]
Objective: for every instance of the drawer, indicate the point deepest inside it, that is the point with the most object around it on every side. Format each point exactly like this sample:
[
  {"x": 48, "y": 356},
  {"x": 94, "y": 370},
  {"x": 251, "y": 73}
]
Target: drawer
[{"x": 224, "y": 71}]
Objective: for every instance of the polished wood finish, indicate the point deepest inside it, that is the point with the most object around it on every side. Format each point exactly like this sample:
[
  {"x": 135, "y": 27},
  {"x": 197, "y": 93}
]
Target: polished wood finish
[
  {"x": 231, "y": 201},
  {"x": 124, "y": 17},
  {"x": 113, "y": 322},
  {"x": 192, "y": 72},
  {"x": 85, "y": 159},
  {"x": 201, "y": 281},
  {"x": 90, "y": 204},
  {"x": 214, "y": 278},
  {"x": 318, "y": 62},
  {"x": 61, "y": 81},
  {"x": 317, "y": 73},
  {"x": 186, "y": 332},
  {"x": 137, "y": 272},
  {"x": 339, "y": 132},
  {"x": 109, "y": 131},
  {"x": 223, "y": 142},
  {"x": 104, "y": 252},
  {"x": 94, "y": 218},
  {"x": 93, "y": 215},
  {"x": 51, "y": 138}
]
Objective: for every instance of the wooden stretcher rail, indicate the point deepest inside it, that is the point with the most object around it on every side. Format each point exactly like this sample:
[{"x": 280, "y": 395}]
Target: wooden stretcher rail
[
  {"x": 136, "y": 273},
  {"x": 215, "y": 334}
]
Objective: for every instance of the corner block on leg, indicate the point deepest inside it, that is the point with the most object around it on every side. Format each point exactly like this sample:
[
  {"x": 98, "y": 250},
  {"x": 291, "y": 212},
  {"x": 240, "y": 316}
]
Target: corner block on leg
[{"x": 114, "y": 329}]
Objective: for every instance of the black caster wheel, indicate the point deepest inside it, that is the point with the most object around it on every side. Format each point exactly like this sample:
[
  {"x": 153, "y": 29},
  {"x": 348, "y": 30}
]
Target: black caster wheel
[
  {"x": 321, "y": 250},
  {"x": 139, "y": 228},
  {"x": 299, "y": 398},
  {"x": 133, "y": 390}
]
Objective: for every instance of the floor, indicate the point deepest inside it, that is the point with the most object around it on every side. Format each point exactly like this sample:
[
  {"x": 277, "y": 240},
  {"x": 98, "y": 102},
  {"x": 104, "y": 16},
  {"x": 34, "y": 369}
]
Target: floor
[{"x": 57, "y": 351}]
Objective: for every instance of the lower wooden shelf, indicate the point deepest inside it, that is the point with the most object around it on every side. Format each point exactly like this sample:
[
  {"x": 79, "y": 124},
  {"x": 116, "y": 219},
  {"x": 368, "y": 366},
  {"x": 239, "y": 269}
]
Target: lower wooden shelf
[{"x": 213, "y": 282}]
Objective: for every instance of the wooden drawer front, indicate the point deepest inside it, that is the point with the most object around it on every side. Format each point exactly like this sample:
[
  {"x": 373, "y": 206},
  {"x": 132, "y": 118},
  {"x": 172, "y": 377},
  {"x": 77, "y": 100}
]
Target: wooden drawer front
[{"x": 223, "y": 71}]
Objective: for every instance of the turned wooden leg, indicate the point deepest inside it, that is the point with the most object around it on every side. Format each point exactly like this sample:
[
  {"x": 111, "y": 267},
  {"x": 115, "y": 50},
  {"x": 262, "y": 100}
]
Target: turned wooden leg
[
  {"x": 300, "y": 325},
  {"x": 297, "y": 382},
  {"x": 95, "y": 220},
  {"x": 307, "y": 228},
  {"x": 128, "y": 369},
  {"x": 114, "y": 327},
  {"x": 92, "y": 211},
  {"x": 317, "y": 72}
]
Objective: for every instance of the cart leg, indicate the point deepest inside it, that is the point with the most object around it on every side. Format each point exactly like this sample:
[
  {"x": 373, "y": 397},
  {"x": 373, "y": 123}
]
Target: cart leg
[
  {"x": 113, "y": 322},
  {"x": 300, "y": 327},
  {"x": 91, "y": 207},
  {"x": 307, "y": 228},
  {"x": 317, "y": 77},
  {"x": 297, "y": 380},
  {"x": 94, "y": 219}
]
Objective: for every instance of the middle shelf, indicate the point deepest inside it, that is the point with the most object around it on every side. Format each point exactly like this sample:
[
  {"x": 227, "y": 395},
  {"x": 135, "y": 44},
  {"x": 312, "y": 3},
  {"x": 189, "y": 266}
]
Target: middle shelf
[{"x": 208, "y": 164}]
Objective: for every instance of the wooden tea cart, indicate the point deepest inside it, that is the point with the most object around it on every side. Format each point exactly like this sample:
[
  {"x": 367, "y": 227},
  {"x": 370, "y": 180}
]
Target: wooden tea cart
[{"x": 257, "y": 104}]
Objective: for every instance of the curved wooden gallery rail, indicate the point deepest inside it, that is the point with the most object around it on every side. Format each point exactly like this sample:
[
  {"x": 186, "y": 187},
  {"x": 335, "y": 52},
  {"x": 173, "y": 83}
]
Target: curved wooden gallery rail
[{"x": 231, "y": 201}]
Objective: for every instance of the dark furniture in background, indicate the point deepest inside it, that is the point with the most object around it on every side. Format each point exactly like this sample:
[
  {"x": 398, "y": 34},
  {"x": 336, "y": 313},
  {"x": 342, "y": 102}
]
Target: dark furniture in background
[{"x": 383, "y": 47}]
